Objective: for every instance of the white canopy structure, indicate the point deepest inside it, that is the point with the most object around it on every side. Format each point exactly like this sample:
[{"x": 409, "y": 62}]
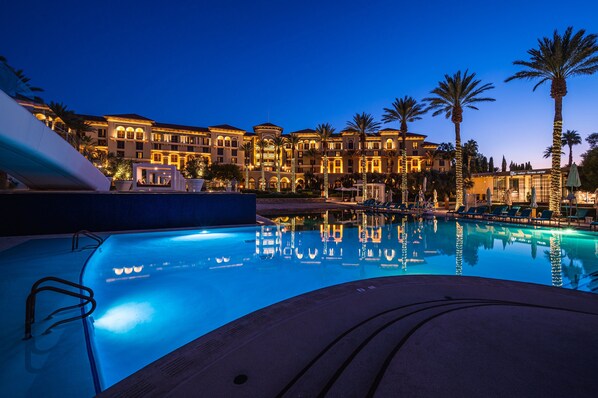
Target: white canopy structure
[{"x": 40, "y": 158}]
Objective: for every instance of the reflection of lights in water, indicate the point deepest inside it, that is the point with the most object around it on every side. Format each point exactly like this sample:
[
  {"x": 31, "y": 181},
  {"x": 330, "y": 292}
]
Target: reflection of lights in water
[
  {"x": 555, "y": 261},
  {"x": 125, "y": 317},
  {"x": 459, "y": 250},
  {"x": 404, "y": 243},
  {"x": 202, "y": 236}
]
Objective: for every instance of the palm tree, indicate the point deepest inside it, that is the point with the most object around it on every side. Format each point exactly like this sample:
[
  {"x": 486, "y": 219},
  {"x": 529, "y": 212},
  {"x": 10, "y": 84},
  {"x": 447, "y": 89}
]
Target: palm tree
[
  {"x": 556, "y": 59},
  {"x": 324, "y": 132},
  {"x": 262, "y": 143},
  {"x": 293, "y": 141},
  {"x": 451, "y": 96},
  {"x": 364, "y": 124},
  {"x": 570, "y": 138},
  {"x": 404, "y": 110},
  {"x": 431, "y": 156},
  {"x": 87, "y": 147},
  {"x": 390, "y": 155},
  {"x": 247, "y": 148},
  {"x": 312, "y": 154},
  {"x": 61, "y": 112},
  {"x": 470, "y": 149},
  {"x": 278, "y": 145},
  {"x": 548, "y": 152}
]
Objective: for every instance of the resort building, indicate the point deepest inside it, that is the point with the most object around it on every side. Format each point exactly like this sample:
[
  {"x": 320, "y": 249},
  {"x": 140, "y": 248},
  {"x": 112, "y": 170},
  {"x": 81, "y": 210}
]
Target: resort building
[{"x": 145, "y": 140}]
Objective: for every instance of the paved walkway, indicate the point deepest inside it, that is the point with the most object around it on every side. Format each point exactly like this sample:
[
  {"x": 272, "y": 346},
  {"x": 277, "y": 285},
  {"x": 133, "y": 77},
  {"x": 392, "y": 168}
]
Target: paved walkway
[{"x": 414, "y": 336}]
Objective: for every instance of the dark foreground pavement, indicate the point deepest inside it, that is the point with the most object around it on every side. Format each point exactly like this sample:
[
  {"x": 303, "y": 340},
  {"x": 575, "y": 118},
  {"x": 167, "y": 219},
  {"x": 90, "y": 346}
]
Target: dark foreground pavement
[{"x": 413, "y": 336}]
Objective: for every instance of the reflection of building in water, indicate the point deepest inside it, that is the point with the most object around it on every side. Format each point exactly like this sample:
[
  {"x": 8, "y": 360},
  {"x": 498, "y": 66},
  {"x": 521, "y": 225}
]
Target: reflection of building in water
[{"x": 268, "y": 240}]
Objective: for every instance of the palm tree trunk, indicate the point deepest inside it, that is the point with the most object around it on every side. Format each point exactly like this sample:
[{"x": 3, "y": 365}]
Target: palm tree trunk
[
  {"x": 404, "y": 163},
  {"x": 277, "y": 169},
  {"x": 364, "y": 170},
  {"x": 325, "y": 164},
  {"x": 293, "y": 185},
  {"x": 570, "y": 155},
  {"x": 246, "y": 173},
  {"x": 263, "y": 179},
  {"x": 458, "y": 166},
  {"x": 555, "y": 172}
]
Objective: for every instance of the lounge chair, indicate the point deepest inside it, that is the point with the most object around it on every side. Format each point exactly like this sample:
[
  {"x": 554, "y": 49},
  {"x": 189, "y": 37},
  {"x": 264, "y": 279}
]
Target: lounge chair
[
  {"x": 545, "y": 216},
  {"x": 497, "y": 212},
  {"x": 470, "y": 212},
  {"x": 480, "y": 211},
  {"x": 524, "y": 215},
  {"x": 594, "y": 225},
  {"x": 460, "y": 210},
  {"x": 579, "y": 215},
  {"x": 510, "y": 214}
]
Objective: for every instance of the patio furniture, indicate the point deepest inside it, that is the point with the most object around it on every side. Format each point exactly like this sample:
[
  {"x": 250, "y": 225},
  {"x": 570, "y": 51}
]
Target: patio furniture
[
  {"x": 524, "y": 215},
  {"x": 545, "y": 216},
  {"x": 579, "y": 215}
]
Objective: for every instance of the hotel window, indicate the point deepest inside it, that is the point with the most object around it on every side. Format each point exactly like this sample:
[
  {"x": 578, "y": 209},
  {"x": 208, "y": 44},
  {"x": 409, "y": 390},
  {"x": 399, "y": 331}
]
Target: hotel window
[
  {"x": 389, "y": 144},
  {"x": 312, "y": 145},
  {"x": 184, "y": 139},
  {"x": 376, "y": 145},
  {"x": 189, "y": 149},
  {"x": 182, "y": 163},
  {"x": 338, "y": 145},
  {"x": 233, "y": 160},
  {"x": 166, "y": 137},
  {"x": 220, "y": 151},
  {"x": 130, "y": 133},
  {"x": 220, "y": 141},
  {"x": 139, "y": 135},
  {"x": 227, "y": 142},
  {"x": 234, "y": 152},
  {"x": 206, "y": 149},
  {"x": 414, "y": 163},
  {"x": 219, "y": 159},
  {"x": 235, "y": 143},
  {"x": 120, "y": 132},
  {"x": 120, "y": 144},
  {"x": 174, "y": 147},
  {"x": 120, "y": 154},
  {"x": 174, "y": 159},
  {"x": 415, "y": 153},
  {"x": 157, "y": 146},
  {"x": 102, "y": 133},
  {"x": 205, "y": 141},
  {"x": 174, "y": 138},
  {"x": 157, "y": 157},
  {"x": 441, "y": 162},
  {"x": 139, "y": 146},
  {"x": 139, "y": 155},
  {"x": 376, "y": 163},
  {"x": 300, "y": 146},
  {"x": 415, "y": 145},
  {"x": 350, "y": 144},
  {"x": 102, "y": 143}
]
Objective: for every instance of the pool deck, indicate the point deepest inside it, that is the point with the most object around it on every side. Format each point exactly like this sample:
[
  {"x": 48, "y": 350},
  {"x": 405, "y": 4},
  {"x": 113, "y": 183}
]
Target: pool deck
[{"x": 410, "y": 336}]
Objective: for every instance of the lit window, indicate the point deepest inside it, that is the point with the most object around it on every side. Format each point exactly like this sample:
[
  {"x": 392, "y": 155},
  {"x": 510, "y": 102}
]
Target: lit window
[
  {"x": 157, "y": 157},
  {"x": 174, "y": 159}
]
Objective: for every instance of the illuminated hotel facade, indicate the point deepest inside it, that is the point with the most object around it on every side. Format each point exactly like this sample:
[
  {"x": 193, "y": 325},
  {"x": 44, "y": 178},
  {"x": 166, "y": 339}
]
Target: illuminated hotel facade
[{"x": 142, "y": 139}]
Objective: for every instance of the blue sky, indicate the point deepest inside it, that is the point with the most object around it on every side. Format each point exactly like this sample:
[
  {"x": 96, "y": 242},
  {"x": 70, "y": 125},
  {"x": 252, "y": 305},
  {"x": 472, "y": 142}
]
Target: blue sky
[{"x": 300, "y": 63}]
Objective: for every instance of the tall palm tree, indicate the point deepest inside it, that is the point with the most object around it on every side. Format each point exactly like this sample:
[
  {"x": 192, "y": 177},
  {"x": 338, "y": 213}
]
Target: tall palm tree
[
  {"x": 452, "y": 95},
  {"x": 570, "y": 138},
  {"x": 247, "y": 148},
  {"x": 278, "y": 145},
  {"x": 404, "y": 110},
  {"x": 548, "y": 152},
  {"x": 431, "y": 156},
  {"x": 364, "y": 124},
  {"x": 312, "y": 154},
  {"x": 556, "y": 59},
  {"x": 61, "y": 112},
  {"x": 293, "y": 141},
  {"x": 470, "y": 150},
  {"x": 391, "y": 154},
  {"x": 87, "y": 147},
  {"x": 324, "y": 132},
  {"x": 262, "y": 143}
]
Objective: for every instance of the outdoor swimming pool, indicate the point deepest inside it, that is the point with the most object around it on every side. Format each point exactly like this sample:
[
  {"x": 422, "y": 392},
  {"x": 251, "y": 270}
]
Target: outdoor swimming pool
[{"x": 158, "y": 291}]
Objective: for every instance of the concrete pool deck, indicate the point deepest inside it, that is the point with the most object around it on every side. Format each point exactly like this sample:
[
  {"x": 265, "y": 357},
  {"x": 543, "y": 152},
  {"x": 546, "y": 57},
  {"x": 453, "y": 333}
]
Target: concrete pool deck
[{"x": 399, "y": 336}]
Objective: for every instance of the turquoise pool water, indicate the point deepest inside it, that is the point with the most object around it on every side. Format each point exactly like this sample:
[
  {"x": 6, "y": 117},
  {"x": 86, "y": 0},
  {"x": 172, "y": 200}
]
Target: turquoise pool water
[{"x": 158, "y": 291}]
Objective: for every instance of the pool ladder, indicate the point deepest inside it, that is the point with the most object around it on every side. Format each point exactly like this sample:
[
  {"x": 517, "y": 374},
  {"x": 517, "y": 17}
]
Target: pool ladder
[
  {"x": 84, "y": 232},
  {"x": 37, "y": 288}
]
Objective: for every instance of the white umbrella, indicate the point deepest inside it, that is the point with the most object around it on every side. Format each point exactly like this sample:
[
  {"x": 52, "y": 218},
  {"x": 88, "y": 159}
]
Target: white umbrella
[
  {"x": 489, "y": 197},
  {"x": 533, "y": 201},
  {"x": 435, "y": 195},
  {"x": 420, "y": 196},
  {"x": 573, "y": 182},
  {"x": 508, "y": 198},
  {"x": 425, "y": 183}
]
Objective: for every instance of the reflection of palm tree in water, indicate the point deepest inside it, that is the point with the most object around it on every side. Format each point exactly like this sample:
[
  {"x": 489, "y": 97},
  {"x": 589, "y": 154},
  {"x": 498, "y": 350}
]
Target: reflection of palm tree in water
[
  {"x": 555, "y": 260},
  {"x": 404, "y": 243},
  {"x": 572, "y": 272},
  {"x": 459, "y": 250}
]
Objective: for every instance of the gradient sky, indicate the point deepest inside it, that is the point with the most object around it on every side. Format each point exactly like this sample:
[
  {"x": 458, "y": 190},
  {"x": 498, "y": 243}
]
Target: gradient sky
[{"x": 300, "y": 63}]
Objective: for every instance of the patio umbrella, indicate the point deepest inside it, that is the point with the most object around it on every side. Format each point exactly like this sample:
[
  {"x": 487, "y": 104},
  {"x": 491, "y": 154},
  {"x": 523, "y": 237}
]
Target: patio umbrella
[
  {"x": 534, "y": 200},
  {"x": 489, "y": 197},
  {"x": 420, "y": 196},
  {"x": 573, "y": 182},
  {"x": 508, "y": 198},
  {"x": 435, "y": 195},
  {"x": 425, "y": 183}
]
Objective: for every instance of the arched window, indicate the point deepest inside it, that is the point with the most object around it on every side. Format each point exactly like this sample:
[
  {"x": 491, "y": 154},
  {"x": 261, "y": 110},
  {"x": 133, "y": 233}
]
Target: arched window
[
  {"x": 174, "y": 159},
  {"x": 120, "y": 132},
  {"x": 312, "y": 144},
  {"x": 389, "y": 144},
  {"x": 227, "y": 142},
  {"x": 139, "y": 134},
  {"x": 130, "y": 133},
  {"x": 220, "y": 141},
  {"x": 235, "y": 144},
  {"x": 157, "y": 157},
  {"x": 350, "y": 144}
]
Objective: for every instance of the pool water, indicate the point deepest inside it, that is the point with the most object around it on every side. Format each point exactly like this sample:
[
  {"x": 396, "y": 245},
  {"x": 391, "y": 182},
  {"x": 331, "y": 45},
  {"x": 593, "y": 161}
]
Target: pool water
[{"x": 159, "y": 291}]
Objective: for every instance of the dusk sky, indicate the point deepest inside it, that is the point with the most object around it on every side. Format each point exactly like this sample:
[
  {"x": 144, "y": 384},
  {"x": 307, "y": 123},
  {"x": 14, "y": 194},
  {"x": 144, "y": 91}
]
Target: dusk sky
[{"x": 300, "y": 63}]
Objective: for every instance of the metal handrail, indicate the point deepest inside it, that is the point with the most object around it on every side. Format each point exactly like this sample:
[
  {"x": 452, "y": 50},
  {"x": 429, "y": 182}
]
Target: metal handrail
[
  {"x": 76, "y": 235},
  {"x": 35, "y": 289}
]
